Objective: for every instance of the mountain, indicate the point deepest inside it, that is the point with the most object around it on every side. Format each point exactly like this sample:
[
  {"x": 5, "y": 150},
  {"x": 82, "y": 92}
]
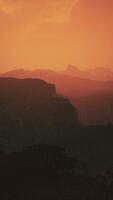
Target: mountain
[
  {"x": 29, "y": 110},
  {"x": 66, "y": 81},
  {"x": 92, "y": 98},
  {"x": 16, "y": 73},
  {"x": 98, "y": 73}
]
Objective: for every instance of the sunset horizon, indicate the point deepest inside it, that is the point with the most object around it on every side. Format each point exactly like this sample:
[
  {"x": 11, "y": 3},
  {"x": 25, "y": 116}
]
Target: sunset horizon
[
  {"x": 58, "y": 69},
  {"x": 53, "y": 34},
  {"x": 56, "y": 99}
]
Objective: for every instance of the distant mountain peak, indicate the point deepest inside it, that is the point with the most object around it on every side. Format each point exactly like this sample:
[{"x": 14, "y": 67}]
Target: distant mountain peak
[
  {"x": 16, "y": 70},
  {"x": 72, "y": 68},
  {"x": 17, "y": 73}
]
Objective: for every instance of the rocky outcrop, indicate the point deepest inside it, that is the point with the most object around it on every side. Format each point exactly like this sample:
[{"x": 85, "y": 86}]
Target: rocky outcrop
[{"x": 31, "y": 109}]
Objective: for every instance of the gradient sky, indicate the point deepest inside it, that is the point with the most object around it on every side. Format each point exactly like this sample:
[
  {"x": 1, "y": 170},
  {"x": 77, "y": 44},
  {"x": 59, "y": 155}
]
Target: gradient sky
[{"x": 55, "y": 33}]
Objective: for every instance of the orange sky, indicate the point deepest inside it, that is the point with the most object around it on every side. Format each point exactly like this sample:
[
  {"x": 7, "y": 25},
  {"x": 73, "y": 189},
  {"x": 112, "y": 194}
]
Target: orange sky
[{"x": 55, "y": 33}]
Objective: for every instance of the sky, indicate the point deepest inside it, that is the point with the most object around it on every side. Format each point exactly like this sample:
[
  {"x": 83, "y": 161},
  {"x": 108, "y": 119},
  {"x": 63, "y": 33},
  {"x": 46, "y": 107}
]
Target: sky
[{"x": 55, "y": 33}]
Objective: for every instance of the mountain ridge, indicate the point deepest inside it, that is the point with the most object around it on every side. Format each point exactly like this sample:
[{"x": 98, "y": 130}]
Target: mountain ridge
[
  {"x": 96, "y": 74},
  {"x": 90, "y": 97}
]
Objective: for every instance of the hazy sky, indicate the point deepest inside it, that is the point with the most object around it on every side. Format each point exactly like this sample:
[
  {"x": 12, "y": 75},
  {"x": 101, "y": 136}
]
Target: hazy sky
[{"x": 55, "y": 33}]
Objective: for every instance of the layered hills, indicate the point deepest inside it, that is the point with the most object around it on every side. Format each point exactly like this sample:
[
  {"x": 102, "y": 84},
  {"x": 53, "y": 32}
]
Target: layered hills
[{"x": 90, "y": 91}]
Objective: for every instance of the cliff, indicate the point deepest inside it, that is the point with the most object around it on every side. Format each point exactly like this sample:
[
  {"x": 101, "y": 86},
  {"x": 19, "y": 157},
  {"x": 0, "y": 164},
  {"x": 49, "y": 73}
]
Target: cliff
[{"x": 30, "y": 109}]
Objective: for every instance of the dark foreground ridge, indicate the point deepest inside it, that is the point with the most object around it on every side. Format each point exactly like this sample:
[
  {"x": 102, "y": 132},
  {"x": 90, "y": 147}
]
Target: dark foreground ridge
[
  {"x": 44, "y": 152},
  {"x": 46, "y": 172},
  {"x": 29, "y": 111}
]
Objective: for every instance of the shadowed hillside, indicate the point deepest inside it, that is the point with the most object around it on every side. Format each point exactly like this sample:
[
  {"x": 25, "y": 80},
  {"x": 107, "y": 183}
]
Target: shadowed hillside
[
  {"x": 29, "y": 110},
  {"x": 46, "y": 172},
  {"x": 92, "y": 98},
  {"x": 44, "y": 152},
  {"x": 31, "y": 113}
]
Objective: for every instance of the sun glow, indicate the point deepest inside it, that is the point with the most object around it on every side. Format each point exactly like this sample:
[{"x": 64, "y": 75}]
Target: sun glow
[{"x": 54, "y": 33}]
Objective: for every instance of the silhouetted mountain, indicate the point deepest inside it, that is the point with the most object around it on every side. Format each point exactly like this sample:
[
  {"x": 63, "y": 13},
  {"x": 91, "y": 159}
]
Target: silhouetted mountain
[
  {"x": 66, "y": 84},
  {"x": 31, "y": 113},
  {"x": 87, "y": 95},
  {"x": 16, "y": 73},
  {"x": 31, "y": 109},
  {"x": 96, "y": 108},
  {"x": 36, "y": 126},
  {"x": 98, "y": 73}
]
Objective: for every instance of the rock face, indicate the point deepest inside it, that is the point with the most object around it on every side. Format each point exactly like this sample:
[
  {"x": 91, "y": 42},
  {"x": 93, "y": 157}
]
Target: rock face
[{"x": 30, "y": 109}]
